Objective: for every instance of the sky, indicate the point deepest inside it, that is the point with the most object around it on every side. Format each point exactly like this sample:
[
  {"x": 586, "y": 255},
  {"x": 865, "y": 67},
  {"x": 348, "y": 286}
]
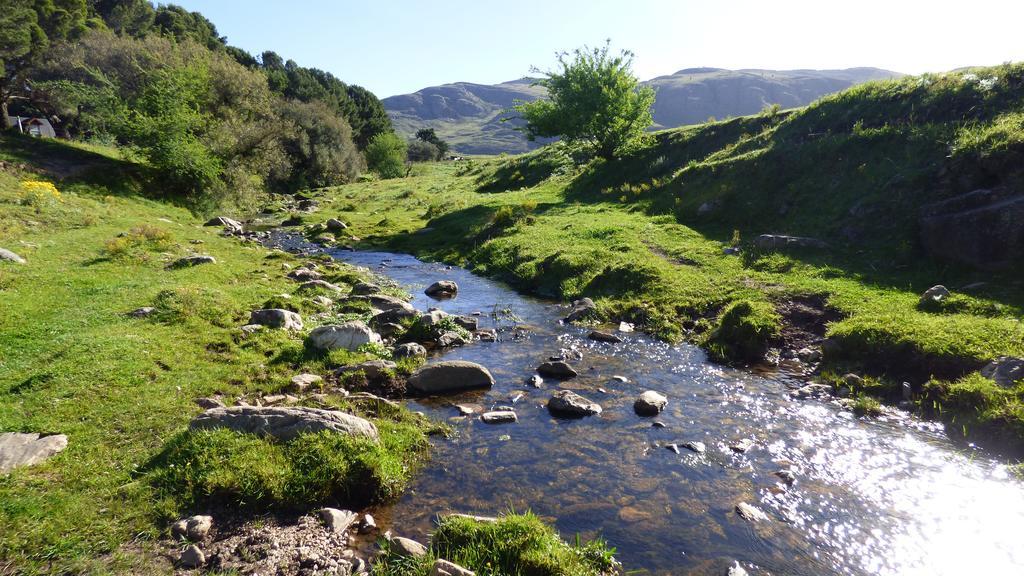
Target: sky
[{"x": 397, "y": 47}]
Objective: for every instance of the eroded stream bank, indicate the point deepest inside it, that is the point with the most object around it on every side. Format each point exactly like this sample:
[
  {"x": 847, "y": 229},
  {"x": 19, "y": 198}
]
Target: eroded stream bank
[{"x": 891, "y": 495}]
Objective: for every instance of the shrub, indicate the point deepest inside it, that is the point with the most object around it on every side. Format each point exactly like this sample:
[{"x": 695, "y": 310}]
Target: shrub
[
  {"x": 420, "y": 151},
  {"x": 385, "y": 155},
  {"x": 39, "y": 195},
  {"x": 594, "y": 99},
  {"x": 145, "y": 237}
]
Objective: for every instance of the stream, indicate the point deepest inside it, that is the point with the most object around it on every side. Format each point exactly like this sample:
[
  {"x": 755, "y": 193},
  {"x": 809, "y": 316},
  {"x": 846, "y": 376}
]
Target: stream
[{"x": 892, "y": 495}]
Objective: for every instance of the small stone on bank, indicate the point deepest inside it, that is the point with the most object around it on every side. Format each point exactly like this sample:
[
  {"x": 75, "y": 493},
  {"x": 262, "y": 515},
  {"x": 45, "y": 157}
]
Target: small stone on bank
[{"x": 192, "y": 557}]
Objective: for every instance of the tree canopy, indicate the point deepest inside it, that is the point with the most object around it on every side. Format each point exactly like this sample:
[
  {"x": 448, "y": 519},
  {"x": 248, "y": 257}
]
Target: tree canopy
[{"x": 595, "y": 99}]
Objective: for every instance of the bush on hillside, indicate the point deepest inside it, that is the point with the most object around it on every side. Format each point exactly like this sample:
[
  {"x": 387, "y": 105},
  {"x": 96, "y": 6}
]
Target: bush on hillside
[
  {"x": 595, "y": 98},
  {"x": 386, "y": 155}
]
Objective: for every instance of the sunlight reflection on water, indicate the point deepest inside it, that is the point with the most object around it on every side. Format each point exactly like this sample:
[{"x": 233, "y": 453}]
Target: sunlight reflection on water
[{"x": 871, "y": 497}]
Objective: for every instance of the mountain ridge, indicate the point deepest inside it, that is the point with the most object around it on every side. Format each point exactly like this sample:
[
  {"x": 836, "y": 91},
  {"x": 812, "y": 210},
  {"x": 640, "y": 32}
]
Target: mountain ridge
[{"x": 470, "y": 115}]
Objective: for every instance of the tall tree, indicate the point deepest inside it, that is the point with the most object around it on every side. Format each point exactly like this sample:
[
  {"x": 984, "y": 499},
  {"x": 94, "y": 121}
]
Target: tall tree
[
  {"x": 27, "y": 27},
  {"x": 131, "y": 17},
  {"x": 594, "y": 99}
]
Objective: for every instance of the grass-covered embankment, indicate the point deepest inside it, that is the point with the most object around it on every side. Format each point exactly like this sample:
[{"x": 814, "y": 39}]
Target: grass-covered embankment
[
  {"x": 123, "y": 389},
  {"x": 644, "y": 235}
]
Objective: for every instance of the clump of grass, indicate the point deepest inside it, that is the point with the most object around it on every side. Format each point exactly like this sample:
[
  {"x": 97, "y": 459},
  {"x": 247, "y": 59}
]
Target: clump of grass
[
  {"x": 745, "y": 329},
  {"x": 515, "y": 545},
  {"x": 224, "y": 466},
  {"x": 424, "y": 332},
  {"x": 867, "y": 406},
  {"x": 192, "y": 303},
  {"x": 964, "y": 304},
  {"x": 140, "y": 238},
  {"x": 509, "y": 215}
]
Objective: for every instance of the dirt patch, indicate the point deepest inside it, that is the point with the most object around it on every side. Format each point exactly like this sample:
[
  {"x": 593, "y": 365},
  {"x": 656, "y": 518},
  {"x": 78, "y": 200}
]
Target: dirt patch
[
  {"x": 805, "y": 320},
  {"x": 664, "y": 255}
]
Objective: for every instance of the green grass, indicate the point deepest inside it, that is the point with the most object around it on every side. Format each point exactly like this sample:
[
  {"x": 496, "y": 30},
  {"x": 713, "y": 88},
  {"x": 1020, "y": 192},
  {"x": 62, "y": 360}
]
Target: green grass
[
  {"x": 644, "y": 235},
  {"x": 123, "y": 389},
  {"x": 223, "y": 467},
  {"x": 515, "y": 545},
  {"x": 745, "y": 330}
]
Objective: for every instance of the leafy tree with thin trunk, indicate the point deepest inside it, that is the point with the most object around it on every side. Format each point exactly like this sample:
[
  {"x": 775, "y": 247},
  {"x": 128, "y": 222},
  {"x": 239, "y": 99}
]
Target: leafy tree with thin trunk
[{"x": 594, "y": 99}]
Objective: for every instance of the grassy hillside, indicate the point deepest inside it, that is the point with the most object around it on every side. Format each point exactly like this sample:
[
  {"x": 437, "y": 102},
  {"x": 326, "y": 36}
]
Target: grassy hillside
[
  {"x": 72, "y": 361},
  {"x": 469, "y": 116},
  {"x": 645, "y": 235}
]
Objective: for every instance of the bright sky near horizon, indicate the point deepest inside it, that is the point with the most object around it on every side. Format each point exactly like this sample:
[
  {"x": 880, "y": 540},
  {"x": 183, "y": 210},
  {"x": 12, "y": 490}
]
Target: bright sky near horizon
[{"x": 400, "y": 46}]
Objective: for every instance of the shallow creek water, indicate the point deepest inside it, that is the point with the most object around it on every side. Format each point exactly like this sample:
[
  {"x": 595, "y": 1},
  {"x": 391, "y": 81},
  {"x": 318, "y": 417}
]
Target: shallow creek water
[{"x": 881, "y": 496}]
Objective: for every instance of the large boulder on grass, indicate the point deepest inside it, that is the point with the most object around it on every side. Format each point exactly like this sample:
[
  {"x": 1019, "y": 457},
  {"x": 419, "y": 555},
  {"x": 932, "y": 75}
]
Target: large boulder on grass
[
  {"x": 21, "y": 449},
  {"x": 450, "y": 376},
  {"x": 348, "y": 336},
  {"x": 7, "y": 255},
  {"x": 283, "y": 423},
  {"x": 190, "y": 261},
  {"x": 276, "y": 318},
  {"x": 229, "y": 224}
]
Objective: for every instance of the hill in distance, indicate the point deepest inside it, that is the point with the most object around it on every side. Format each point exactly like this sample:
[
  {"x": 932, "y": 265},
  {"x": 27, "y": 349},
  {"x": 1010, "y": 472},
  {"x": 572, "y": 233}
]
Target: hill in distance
[{"x": 470, "y": 115}]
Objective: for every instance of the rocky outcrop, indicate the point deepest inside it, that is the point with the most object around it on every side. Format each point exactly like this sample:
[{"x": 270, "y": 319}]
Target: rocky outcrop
[
  {"x": 983, "y": 228},
  {"x": 18, "y": 449},
  {"x": 347, "y": 336},
  {"x": 569, "y": 403},
  {"x": 283, "y": 423},
  {"x": 276, "y": 318},
  {"x": 450, "y": 376}
]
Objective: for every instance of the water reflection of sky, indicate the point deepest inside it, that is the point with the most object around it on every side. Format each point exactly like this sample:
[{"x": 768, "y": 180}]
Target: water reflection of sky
[{"x": 871, "y": 497}]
